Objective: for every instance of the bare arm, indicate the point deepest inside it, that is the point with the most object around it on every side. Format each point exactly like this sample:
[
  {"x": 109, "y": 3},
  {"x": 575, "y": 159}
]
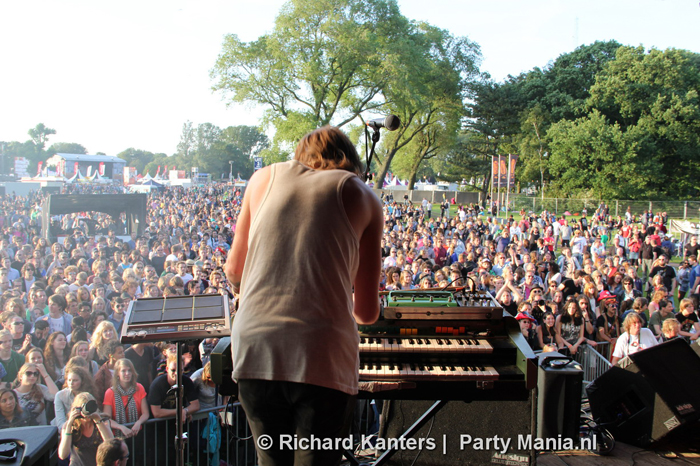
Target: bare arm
[
  {"x": 103, "y": 427},
  {"x": 193, "y": 407},
  {"x": 560, "y": 341},
  {"x": 48, "y": 381},
  {"x": 517, "y": 296},
  {"x": 107, "y": 411},
  {"x": 239, "y": 249},
  {"x": 67, "y": 436},
  {"x": 145, "y": 413},
  {"x": 540, "y": 340},
  {"x": 692, "y": 336},
  {"x": 581, "y": 338},
  {"x": 365, "y": 214},
  {"x": 159, "y": 412}
]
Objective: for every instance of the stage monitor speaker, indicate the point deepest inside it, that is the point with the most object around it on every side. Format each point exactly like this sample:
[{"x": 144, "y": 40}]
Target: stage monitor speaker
[
  {"x": 559, "y": 388},
  {"x": 33, "y": 446},
  {"x": 459, "y": 421},
  {"x": 649, "y": 398},
  {"x": 222, "y": 368}
]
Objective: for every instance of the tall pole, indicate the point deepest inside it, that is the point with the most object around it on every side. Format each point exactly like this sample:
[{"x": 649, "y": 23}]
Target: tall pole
[
  {"x": 230, "y": 170},
  {"x": 498, "y": 192},
  {"x": 508, "y": 184},
  {"x": 491, "y": 183}
]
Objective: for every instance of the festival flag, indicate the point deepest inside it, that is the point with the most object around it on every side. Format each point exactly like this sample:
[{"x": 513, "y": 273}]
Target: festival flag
[
  {"x": 75, "y": 167},
  {"x": 101, "y": 169},
  {"x": 512, "y": 160},
  {"x": 38, "y": 168}
]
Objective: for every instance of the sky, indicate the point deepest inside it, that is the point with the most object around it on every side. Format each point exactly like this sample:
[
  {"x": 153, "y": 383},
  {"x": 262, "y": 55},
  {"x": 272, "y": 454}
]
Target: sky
[{"x": 115, "y": 75}]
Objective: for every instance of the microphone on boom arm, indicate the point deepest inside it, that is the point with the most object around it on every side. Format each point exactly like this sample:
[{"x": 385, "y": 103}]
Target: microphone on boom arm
[{"x": 391, "y": 123}]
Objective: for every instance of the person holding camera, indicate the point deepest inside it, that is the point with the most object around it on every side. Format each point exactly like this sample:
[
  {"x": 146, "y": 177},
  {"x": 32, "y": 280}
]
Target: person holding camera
[
  {"x": 538, "y": 304},
  {"x": 83, "y": 432}
]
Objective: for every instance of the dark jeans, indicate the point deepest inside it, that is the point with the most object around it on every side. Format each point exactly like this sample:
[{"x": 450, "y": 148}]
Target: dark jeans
[{"x": 290, "y": 409}]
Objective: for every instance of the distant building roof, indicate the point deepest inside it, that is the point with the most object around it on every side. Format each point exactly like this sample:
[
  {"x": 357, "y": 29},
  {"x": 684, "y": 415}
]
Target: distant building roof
[{"x": 90, "y": 158}]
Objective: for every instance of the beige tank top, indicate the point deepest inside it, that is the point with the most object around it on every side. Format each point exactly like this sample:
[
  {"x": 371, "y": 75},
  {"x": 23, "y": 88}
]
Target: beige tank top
[{"x": 295, "y": 321}]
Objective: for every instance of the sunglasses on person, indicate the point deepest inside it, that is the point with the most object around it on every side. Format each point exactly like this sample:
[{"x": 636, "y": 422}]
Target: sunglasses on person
[{"x": 32, "y": 374}]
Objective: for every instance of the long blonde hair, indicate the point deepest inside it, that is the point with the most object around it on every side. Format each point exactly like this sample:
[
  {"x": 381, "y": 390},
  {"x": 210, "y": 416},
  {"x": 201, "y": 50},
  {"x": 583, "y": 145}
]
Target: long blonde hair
[
  {"x": 98, "y": 341},
  {"x": 79, "y": 401},
  {"x": 116, "y": 380}
]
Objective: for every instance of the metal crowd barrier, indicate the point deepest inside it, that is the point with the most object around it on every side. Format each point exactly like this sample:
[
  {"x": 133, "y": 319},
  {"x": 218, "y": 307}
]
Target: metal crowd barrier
[
  {"x": 155, "y": 443},
  {"x": 593, "y": 361}
]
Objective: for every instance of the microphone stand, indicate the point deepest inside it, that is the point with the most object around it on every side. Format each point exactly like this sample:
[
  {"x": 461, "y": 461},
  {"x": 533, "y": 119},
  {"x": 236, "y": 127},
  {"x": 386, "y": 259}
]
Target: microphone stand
[
  {"x": 180, "y": 436},
  {"x": 368, "y": 156}
]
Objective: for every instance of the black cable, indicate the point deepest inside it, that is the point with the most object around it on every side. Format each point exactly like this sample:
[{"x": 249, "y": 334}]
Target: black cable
[
  {"x": 368, "y": 156},
  {"x": 448, "y": 285},
  {"x": 232, "y": 435}
]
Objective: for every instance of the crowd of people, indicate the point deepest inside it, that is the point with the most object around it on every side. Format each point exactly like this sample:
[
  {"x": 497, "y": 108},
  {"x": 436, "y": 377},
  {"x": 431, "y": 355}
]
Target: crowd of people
[
  {"x": 63, "y": 307},
  {"x": 570, "y": 282},
  {"x": 603, "y": 281}
]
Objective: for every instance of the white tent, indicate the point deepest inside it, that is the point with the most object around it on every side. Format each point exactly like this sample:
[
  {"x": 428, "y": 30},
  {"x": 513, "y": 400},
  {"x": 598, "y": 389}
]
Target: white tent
[{"x": 78, "y": 177}]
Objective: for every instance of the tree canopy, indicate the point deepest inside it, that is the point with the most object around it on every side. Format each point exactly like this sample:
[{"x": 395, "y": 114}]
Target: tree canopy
[
  {"x": 644, "y": 121},
  {"x": 328, "y": 61}
]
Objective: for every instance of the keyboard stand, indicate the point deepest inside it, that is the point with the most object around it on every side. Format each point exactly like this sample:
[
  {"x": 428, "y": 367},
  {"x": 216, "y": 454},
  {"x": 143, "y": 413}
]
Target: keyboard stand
[{"x": 410, "y": 432}]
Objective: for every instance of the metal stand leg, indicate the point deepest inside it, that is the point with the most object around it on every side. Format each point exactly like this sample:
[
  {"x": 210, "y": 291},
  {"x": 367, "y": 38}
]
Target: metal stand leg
[
  {"x": 180, "y": 436},
  {"x": 410, "y": 432}
]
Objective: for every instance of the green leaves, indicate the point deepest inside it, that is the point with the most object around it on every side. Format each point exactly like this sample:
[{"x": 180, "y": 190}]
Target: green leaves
[
  {"x": 592, "y": 157},
  {"x": 323, "y": 63},
  {"x": 653, "y": 97}
]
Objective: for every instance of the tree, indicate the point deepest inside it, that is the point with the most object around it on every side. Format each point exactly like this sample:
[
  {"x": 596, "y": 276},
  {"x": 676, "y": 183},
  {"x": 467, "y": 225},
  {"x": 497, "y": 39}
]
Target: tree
[
  {"x": 65, "y": 148},
  {"x": 465, "y": 164},
  {"x": 14, "y": 149},
  {"x": 210, "y": 149},
  {"x": 242, "y": 143},
  {"x": 593, "y": 158},
  {"x": 40, "y": 135},
  {"x": 653, "y": 98},
  {"x": 491, "y": 128},
  {"x": 325, "y": 62},
  {"x": 187, "y": 140},
  {"x": 435, "y": 71},
  {"x": 137, "y": 158},
  {"x": 560, "y": 90}
]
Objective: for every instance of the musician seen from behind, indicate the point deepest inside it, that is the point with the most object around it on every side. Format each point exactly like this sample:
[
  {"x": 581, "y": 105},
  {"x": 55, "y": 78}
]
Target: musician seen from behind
[{"x": 294, "y": 340}]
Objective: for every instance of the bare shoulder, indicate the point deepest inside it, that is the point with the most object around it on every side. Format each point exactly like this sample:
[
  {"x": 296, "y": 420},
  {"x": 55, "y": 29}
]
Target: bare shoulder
[
  {"x": 256, "y": 188},
  {"x": 357, "y": 191},
  {"x": 260, "y": 178},
  {"x": 362, "y": 205}
]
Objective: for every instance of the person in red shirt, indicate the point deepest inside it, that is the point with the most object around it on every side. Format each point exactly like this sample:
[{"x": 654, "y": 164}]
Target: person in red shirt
[
  {"x": 440, "y": 252},
  {"x": 549, "y": 240},
  {"x": 125, "y": 402}
]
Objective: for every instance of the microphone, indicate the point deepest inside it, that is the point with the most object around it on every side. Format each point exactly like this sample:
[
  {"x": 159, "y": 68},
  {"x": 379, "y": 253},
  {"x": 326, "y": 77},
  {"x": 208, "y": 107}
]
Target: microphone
[{"x": 391, "y": 123}]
